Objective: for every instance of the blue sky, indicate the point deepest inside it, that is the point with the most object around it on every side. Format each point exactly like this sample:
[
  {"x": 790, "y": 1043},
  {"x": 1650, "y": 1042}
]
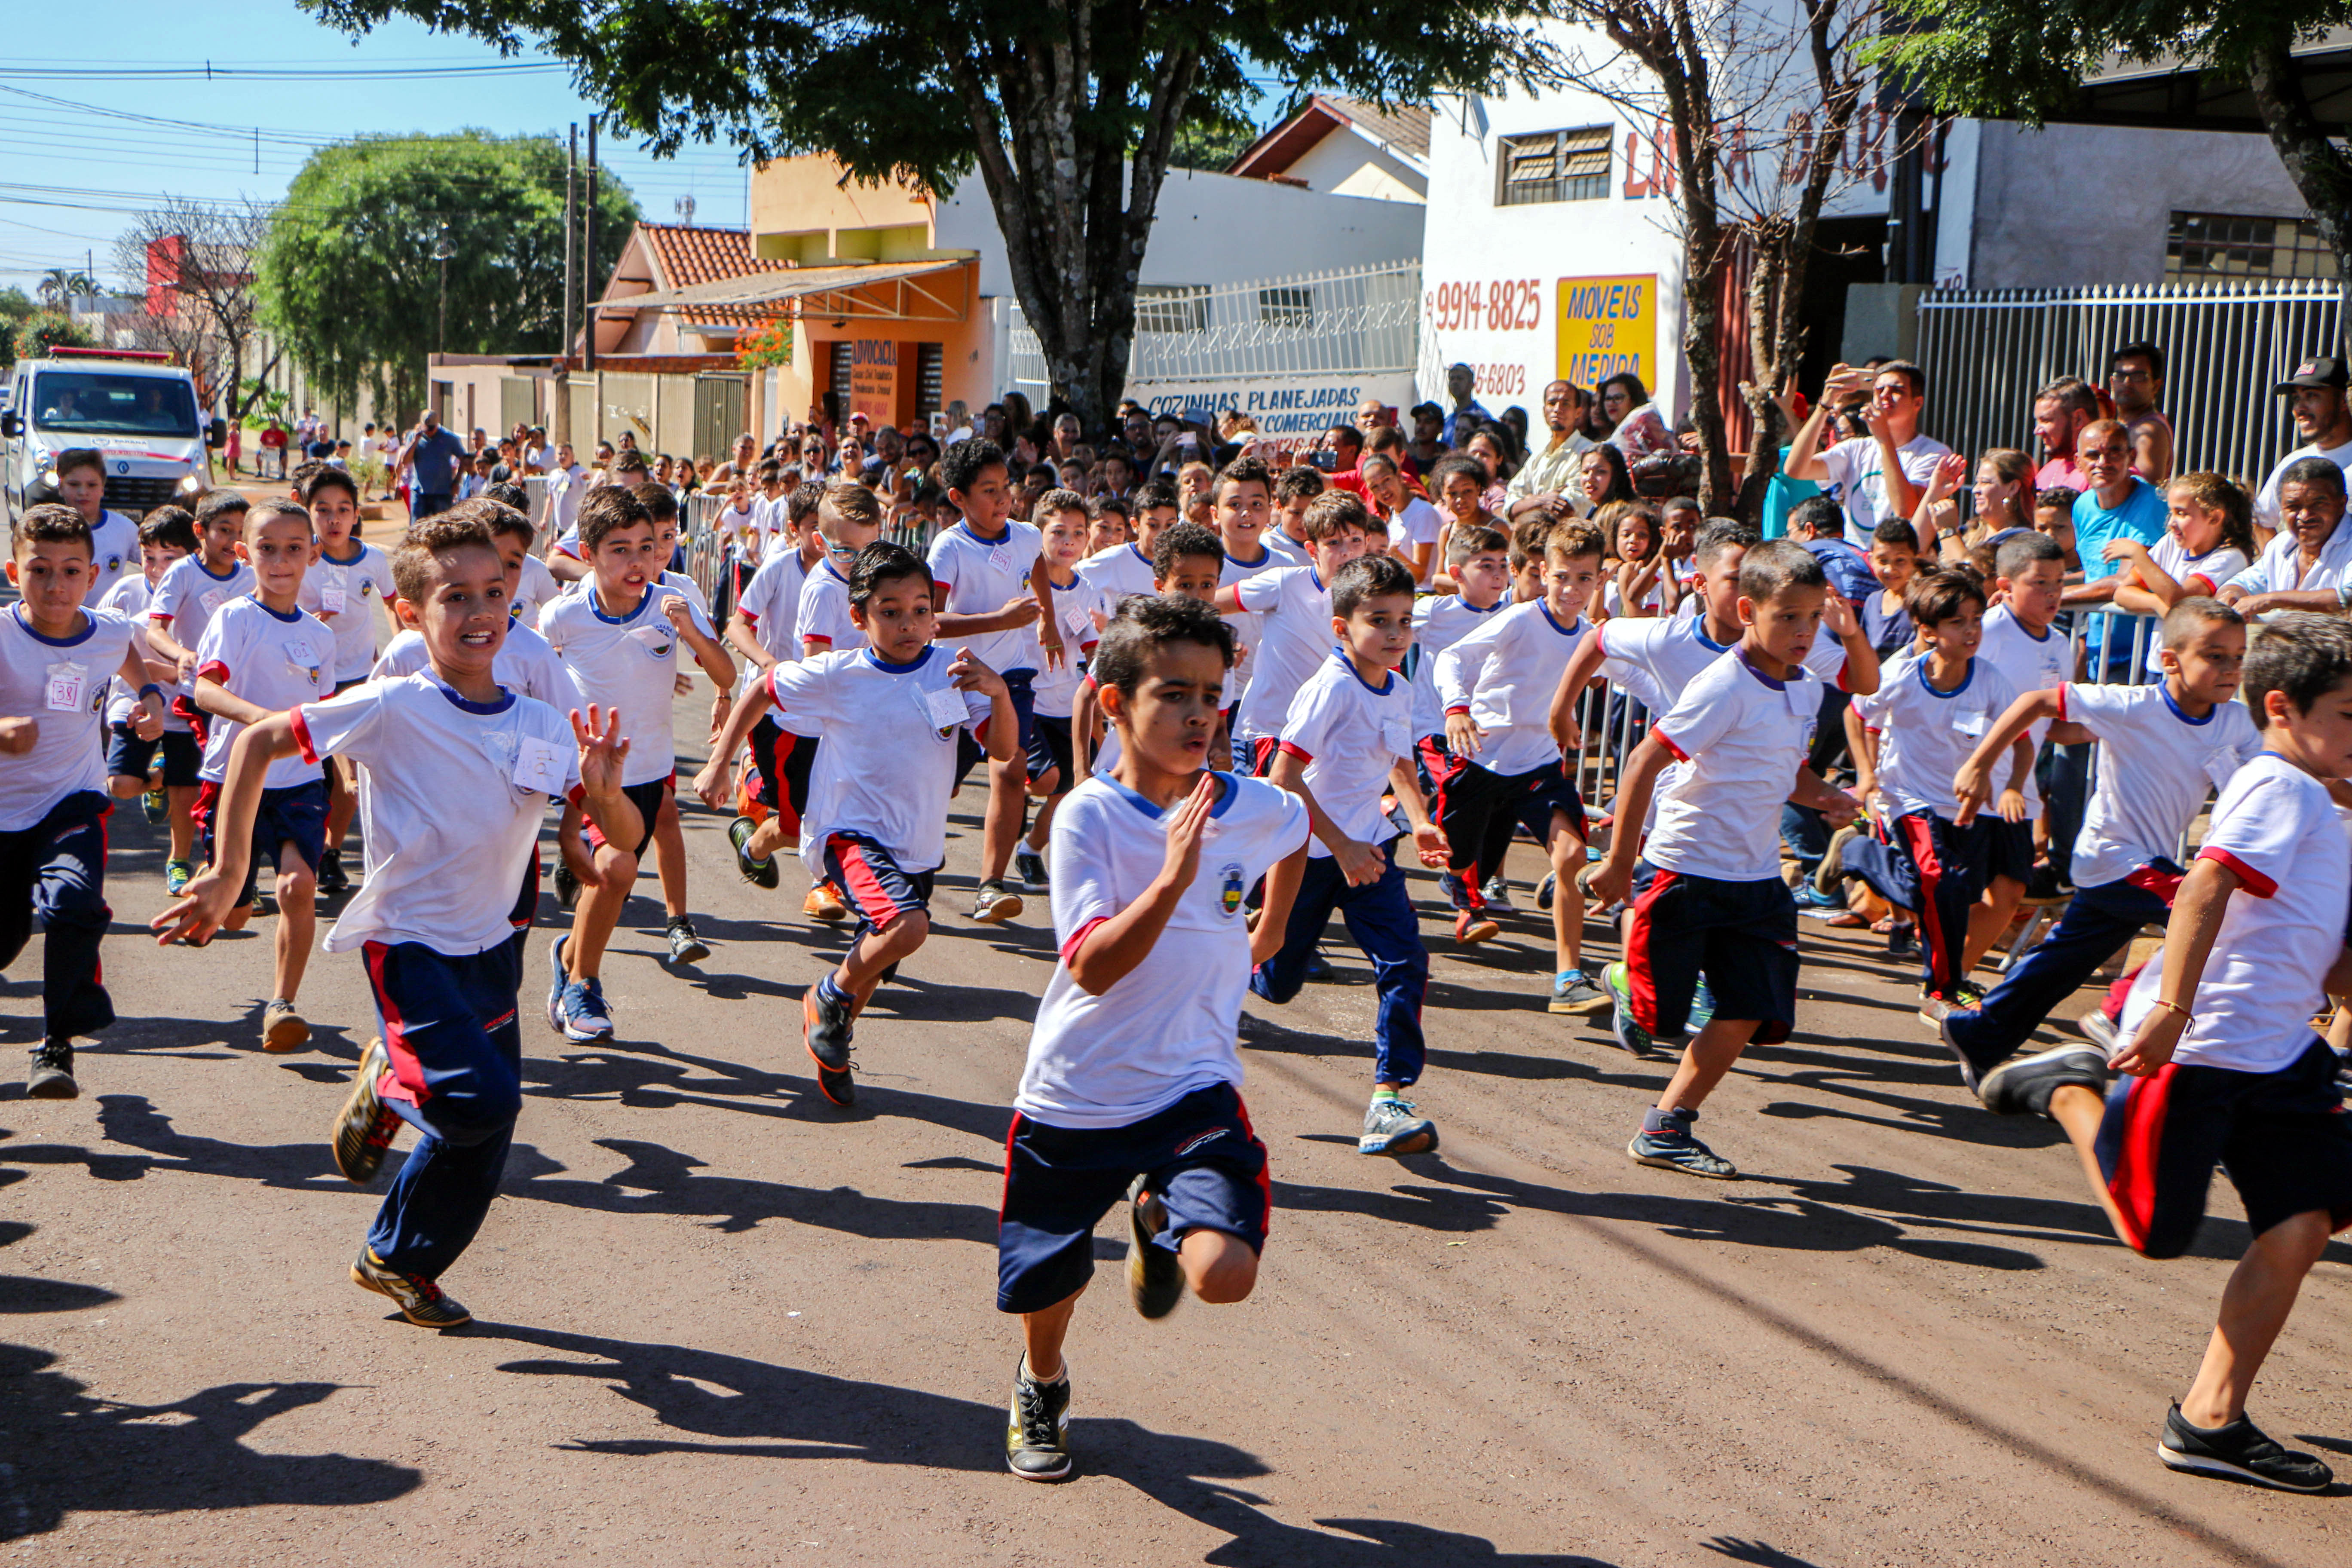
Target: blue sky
[{"x": 71, "y": 177}]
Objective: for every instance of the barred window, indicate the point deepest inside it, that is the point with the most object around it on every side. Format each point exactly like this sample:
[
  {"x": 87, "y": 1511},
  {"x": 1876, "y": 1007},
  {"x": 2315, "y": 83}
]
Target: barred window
[
  {"x": 1171, "y": 307},
  {"x": 1554, "y": 166},
  {"x": 2205, "y": 246},
  {"x": 1287, "y": 307}
]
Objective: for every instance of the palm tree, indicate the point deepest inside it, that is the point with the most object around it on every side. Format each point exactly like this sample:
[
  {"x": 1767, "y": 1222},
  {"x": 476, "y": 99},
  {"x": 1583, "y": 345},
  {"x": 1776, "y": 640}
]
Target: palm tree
[{"x": 60, "y": 284}]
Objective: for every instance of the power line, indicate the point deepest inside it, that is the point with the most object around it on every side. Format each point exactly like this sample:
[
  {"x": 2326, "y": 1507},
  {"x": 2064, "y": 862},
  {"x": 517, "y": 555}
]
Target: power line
[{"x": 208, "y": 71}]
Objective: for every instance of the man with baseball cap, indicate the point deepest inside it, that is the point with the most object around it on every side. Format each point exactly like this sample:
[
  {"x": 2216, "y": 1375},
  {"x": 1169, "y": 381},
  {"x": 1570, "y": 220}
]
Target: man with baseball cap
[{"x": 2315, "y": 394}]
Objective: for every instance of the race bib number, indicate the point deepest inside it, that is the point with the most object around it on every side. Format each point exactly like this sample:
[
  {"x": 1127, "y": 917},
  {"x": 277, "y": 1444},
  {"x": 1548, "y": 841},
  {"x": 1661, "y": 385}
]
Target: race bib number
[
  {"x": 212, "y": 599},
  {"x": 537, "y": 765},
  {"x": 1972, "y": 726},
  {"x": 946, "y": 708},
  {"x": 1000, "y": 559},
  {"x": 66, "y": 685},
  {"x": 333, "y": 595}
]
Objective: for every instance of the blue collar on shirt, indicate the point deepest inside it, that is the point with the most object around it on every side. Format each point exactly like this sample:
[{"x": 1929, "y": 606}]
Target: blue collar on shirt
[
  {"x": 1748, "y": 661},
  {"x": 986, "y": 538},
  {"x": 357, "y": 556},
  {"x": 465, "y": 704},
  {"x": 1548, "y": 616},
  {"x": 89, "y": 628},
  {"x": 1227, "y": 789},
  {"x": 1698, "y": 630},
  {"x": 2164, "y": 690},
  {"x": 597, "y": 610},
  {"x": 288, "y": 616},
  {"x": 228, "y": 575},
  {"x": 1387, "y": 685},
  {"x": 1932, "y": 689},
  {"x": 838, "y": 577},
  {"x": 1136, "y": 551},
  {"x": 886, "y": 668}
]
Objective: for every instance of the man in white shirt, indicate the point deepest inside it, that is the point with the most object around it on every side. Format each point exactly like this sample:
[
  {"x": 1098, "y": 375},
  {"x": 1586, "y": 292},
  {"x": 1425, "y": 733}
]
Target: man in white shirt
[
  {"x": 1879, "y": 475},
  {"x": 1547, "y": 480}
]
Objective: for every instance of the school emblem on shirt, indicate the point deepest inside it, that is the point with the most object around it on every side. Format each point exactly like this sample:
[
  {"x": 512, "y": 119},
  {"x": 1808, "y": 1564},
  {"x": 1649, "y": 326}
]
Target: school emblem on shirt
[
  {"x": 1229, "y": 894},
  {"x": 304, "y": 662},
  {"x": 114, "y": 564}
]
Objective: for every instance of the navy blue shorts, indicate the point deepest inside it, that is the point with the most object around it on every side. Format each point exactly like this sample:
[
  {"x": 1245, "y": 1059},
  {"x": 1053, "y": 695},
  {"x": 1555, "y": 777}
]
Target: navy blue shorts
[
  {"x": 1200, "y": 1156},
  {"x": 869, "y": 877},
  {"x": 784, "y": 761},
  {"x": 971, "y": 748},
  {"x": 1049, "y": 750},
  {"x": 295, "y": 815},
  {"x": 647, "y": 799},
  {"x": 2281, "y": 1136},
  {"x": 1742, "y": 936},
  {"x": 129, "y": 757},
  {"x": 2008, "y": 849}
]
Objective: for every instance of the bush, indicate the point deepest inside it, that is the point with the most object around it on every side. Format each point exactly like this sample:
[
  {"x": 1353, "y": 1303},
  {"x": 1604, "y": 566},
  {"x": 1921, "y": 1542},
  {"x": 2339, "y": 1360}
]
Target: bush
[{"x": 45, "y": 330}]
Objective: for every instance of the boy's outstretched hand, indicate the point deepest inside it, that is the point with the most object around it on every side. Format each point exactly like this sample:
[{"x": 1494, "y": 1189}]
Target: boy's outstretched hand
[
  {"x": 971, "y": 675},
  {"x": 1429, "y": 842},
  {"x": 1837, "y": 615},
  {"x": 602, "y": 751}
]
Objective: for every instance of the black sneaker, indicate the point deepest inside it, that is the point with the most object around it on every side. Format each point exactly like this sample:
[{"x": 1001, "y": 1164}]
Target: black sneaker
[
  {"x": 1972, "y": 1071},
  {"x": 2239, "y": 1450},
  {"x": 420, "y": 1301},
  {"x": 52, "y": 1076},
  {"x": 2024, "y": 1087},
  {"x": 1903, "y": 942},
  {"x": 1155, "y": 1281},
  {"x": 1030, "y": 867},
  {"x": 2101, "y": 1031},
  {"x": 1673, "y": 1148},
  {"x": 567, "y": 886},
  {"x": 365, "y": 1126},
  {"x": 826, "y": 1030},
  {"x": 758, "y": 873},
  {"x": 333, "y": 878},
  {"x": 1037, "y": 1435},
  {"x": 1392, "y": 1128},
  {"x": 2043, "y": 889},
  {"x": 685, "y": 947}
]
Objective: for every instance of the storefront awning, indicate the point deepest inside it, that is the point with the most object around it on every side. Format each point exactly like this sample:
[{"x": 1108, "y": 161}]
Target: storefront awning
[{"x": 880, "y": 290}]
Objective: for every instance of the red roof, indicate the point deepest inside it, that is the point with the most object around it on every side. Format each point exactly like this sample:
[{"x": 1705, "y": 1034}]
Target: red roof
[{"x": 684, "y": 256}]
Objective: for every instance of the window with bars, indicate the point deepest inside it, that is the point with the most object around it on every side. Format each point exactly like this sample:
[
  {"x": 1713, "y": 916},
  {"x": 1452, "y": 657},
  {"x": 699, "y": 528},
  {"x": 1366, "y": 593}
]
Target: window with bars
[
  {"x": 1287, "y": 307},
  {"x": 2211, "y": 246},
  {"x": 1171, "y": 307},
  {"x": 930, "y": 374},
  {"x": 1554, "y": 166}
]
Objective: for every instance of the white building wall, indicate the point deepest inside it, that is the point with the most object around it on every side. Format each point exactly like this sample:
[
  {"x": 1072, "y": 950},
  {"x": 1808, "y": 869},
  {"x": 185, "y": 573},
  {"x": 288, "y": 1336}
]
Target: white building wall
[{"x": 1347, "y": 165}]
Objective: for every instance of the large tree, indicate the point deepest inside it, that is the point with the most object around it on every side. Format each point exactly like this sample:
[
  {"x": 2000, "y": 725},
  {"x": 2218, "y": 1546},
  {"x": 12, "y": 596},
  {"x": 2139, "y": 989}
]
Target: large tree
[
  {"x": 193, "y": 261},
  {"x": 2026, "y": 61},
  {"x": 349, "y": 275},
  {"x": 1069, "y": 108}
]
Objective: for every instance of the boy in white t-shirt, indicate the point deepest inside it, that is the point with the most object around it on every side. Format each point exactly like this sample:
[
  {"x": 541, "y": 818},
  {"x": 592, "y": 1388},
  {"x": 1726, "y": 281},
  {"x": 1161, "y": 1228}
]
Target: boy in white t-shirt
[
  {"x": 166, "y": 534},
  {"x": 765, "y": 630},
  {"x": 1125, "y": 569},
  {"x": 1501, "y": 771},
  {"x": 81, "y": 485},
  {"x": 1132, "y": 1085},
  {"x": 2219, "y": 1065},
  {"x": 619, "y": 635},
  {"x": 1909, "y": 738},
  {"x": 1078, "y": 610},
  {"x": 685, "y": 945},
  {"x": 525, "y": 663},
  {"x": 1293, "y": 610},
  {"x": 261, "y": 655},
  {"x": 1347, "y": 742},
  {"x": 2164, "y": 748},
  {"x": 535, "y": 586},
  {"x": 190, "y": 593},
  {"x": 56, "y": 658},
  {"x": 1189, "y": 562},
  {"x": 460, "y": 771},
  {"x": 1243, "y": 497},
  {"x": 1708, "y": 893},
  {"x": 876, "y": 825},
  {"x": 2023, "y": 643},
  {"x": 346, "y": 581}
]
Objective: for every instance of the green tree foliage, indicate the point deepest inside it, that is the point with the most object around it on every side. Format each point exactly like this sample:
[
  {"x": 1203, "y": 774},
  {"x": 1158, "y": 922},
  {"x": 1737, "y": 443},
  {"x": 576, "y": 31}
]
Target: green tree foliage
[
  {"x": 348, "y": 276},
  {"x": 1069, "y": 108},
  {"x": 42, "y": 331},
  {"x": 15, "y": 305}
]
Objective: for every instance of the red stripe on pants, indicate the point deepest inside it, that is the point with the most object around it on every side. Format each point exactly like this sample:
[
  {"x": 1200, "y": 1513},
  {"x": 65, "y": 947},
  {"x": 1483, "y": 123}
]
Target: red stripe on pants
[
  {"x": 2133, "y": 1185},
  {"x": 1640, "y": 981},
  {"x": 1919, "y": 838},
  {"x": 865, "y": 888}
]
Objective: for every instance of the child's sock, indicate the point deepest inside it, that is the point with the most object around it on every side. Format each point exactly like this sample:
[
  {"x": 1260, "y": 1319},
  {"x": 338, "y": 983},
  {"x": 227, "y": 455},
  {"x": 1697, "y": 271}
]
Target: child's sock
[{"x": 832, "y": 990}]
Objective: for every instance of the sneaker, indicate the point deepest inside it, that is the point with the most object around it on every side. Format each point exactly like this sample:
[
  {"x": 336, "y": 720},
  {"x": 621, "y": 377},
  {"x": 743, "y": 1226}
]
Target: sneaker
[
  {"x": 1702, "y": 1007},
  {"x": 1318, "y": 969},
  {"x": 1630, "y": 1034},
  {"x": 1544, "y": 890},
  {"x": 283, "y": 1028},
  {"x": 1810, "y": 897},
  {"x": 1037, "y": 1435},
  {"x": 420, "y": 1301},
  {"x": 567, "y": 886},
  {"x": 827, "y": 1026},
  {"x": 177, "y": 875},
  {"x": 52, "y": 1076},
  {"x": 2241, "y": 1450},
  {"x": 1498, "y": 894},
  {"x": 994, "y": 906},
  {"x": 1674, "y": 1149},
  {"x": 1031, "y": 868},
  {"x": 1903, "y": 942},
  {"x": 1934, "y": 1007},
  {"x": 1470, "y": 927},
  {"x": 157, "y": 805},
  {"x": 1972, "y": 1071},
  {"x": 823, "y": 904},
  {"x": 758, "y": 873},
  {"x": 575, "y": 1008},
  {"x": 1572, "y": 993},
  {"x": 2101, "y": 1031},
  {"x": 2024, "y": 1087},
  {"x": 1155, "y": 1282},
  {"x": 1392, "y": 1128},
  {"x": 1456, "y": 896},
  {"x": 2043, "y": 889},
  {"x": 685, "y": 946},
  {"x": 366, "y": 1127},
  {"x": 333, "y": 878}
]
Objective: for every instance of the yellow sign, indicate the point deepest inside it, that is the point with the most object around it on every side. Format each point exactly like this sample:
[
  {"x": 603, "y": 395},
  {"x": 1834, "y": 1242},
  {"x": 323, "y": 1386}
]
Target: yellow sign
[{"x": 1608, "y": 325}]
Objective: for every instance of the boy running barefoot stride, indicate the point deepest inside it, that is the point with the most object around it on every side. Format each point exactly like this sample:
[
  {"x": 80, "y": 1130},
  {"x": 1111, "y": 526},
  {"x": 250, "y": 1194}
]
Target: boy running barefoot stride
[
  {"x": 2220, "y": 1067},
  {"x": 1132, "y": 1087}
]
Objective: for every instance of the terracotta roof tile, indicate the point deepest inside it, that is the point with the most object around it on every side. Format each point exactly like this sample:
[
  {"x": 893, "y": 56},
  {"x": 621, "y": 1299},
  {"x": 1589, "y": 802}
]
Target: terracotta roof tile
[{"x": 686, "y": 256}]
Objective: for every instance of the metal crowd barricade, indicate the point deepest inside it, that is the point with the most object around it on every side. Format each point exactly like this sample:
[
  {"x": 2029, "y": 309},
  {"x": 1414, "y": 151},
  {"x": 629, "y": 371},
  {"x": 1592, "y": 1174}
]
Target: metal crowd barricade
[{"x": 706, "y": 550}]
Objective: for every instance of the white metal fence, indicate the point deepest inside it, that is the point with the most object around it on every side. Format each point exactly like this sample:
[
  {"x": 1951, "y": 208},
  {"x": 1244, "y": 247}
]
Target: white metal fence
[
  {"x": 1986, "y": 353},
  {"x": 1354, "y": 321}
]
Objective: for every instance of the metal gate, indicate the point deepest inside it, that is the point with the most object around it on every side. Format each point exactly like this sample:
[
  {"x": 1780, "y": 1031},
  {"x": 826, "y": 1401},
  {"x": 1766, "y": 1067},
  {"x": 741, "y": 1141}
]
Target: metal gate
[
  {"x": 2226, "y": 345},
  {"x": 719, "y": 404}
]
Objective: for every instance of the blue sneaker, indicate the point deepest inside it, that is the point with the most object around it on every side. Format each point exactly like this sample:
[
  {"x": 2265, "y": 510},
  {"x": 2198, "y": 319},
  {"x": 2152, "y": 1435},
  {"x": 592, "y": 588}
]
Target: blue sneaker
[
  {"x": 575, "y": 1008},
  {"x": 1702, "y": 1007},
  {"x": 1672, "y": 1147},
  {"x": 556, "y": 982},
  {"x": 1810, "y": 897},
  {"x": 1630, "y": 1034}
]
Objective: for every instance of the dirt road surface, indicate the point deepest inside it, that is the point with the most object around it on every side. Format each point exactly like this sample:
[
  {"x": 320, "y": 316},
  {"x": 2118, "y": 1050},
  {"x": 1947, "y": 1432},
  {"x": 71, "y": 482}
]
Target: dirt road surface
[{"x": 720, "y": 1322}]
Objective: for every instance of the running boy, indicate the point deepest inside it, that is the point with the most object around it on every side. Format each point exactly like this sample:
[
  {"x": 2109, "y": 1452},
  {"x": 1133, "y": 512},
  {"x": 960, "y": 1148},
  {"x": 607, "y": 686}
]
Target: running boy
[
  {"x": 877, "y": 825},
  {"x": 1478, "y": 565},
  {"x": 1126, "y": 569},
  {"x": 765, "y": 630},
  {"x": 1348, "y": 741},
  {"x": 342, "y": 588},
  {"x": 1708, "y": 893},
  {"x": 189, "y": 593},
  {"x": 55, "y": 660},
  {"x": 2165, "y": 748},
  {"x": 1501, "y": 770},
  {"x": 460, "y": 771},
  {"x": 1132, "y": 1087},
  {"x": 619, "y": 635},
  {"x": 2020, "y": 642},
  {"x": 686, "y": 945},
  {"x": 1080, "y": 610},
  {"x": 2221, "y": 1067},
  {"x": 1294, "y": 608},
  {"x": 81, "y": 485},
  {"x": 166, "y": 534}
]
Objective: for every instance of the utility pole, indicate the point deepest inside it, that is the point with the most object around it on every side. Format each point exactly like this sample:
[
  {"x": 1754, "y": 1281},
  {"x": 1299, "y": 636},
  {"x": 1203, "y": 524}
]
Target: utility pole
[
  {"x": 442, "y": 251},
  {"x": 559, "y": 419},
  {"x": 588, "y": 261}
]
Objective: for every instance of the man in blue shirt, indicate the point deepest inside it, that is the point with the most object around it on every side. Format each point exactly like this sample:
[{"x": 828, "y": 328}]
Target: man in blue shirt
[
  {"x": 1468, "y": 413},
  {"x": 434, "y": 454},
  {"x": 2119, "y": 505}
]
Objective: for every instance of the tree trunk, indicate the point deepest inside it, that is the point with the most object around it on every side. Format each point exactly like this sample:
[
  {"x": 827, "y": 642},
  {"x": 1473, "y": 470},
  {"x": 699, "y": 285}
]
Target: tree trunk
[{"x": 2321, "y": 172}]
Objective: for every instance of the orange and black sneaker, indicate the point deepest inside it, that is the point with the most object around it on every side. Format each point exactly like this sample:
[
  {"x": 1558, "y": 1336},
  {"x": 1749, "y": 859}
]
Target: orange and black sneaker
[
  {"x": 823, "y": 904},
  {"x": 826, "y": 1018},
  {"x": 365, "y": 1126},
  {"x": 420, "y": 1301},
  {"x": 1470, "y": 926}
]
